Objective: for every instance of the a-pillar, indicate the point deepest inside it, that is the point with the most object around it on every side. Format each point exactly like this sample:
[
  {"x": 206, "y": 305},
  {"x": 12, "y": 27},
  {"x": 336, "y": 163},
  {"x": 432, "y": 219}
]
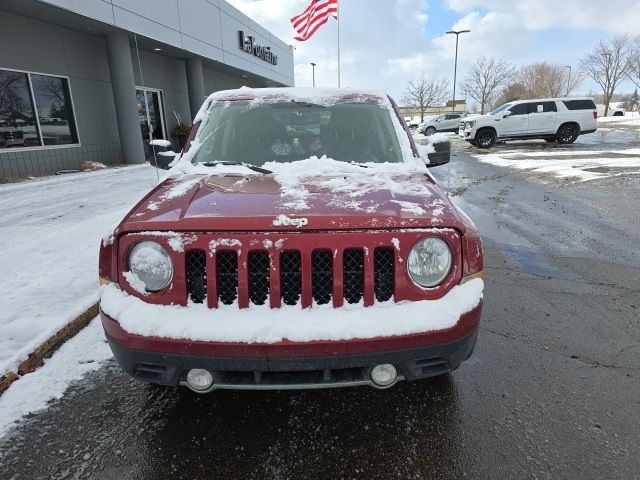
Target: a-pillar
[
  {"x": 195, "y": 84},
  {"x": 124, "y": 95}
]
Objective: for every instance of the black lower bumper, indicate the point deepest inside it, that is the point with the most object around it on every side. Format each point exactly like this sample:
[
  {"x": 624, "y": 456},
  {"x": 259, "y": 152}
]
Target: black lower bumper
[{"x": 294, "y": 372}]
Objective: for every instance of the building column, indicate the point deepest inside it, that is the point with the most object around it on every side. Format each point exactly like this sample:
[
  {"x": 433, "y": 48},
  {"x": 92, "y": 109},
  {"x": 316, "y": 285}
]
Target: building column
[
  {"x": 195, "y": 84},
  {"x": 124, "y": 96}
]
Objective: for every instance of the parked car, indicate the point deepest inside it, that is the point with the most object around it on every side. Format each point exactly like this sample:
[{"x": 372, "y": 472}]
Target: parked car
[
  {"x": 442, "y": 123},
  {"x": 613, "y": 111},
  {"x": 413, "y": 124},
  {"x": 277, "y": 258},
  {"x": 551, "y": 119}
]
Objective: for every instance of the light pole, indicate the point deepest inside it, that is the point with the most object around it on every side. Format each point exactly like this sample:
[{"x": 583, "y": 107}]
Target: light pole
[
  {"x": 568, "y": 78},
  {"x": 313, "y": 73},
  {"x": 455, "y": 65}
]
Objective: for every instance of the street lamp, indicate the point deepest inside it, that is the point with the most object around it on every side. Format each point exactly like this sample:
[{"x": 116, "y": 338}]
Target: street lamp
[
  {"x": 313, "y": 73},
  {"x": 568, "y": 78},
  {"x": 455, "y": 65}
]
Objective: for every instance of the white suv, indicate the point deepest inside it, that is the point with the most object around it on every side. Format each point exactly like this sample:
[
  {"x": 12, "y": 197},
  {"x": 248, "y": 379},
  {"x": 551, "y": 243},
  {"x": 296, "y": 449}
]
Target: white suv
[{"x": 551, "y": 119}]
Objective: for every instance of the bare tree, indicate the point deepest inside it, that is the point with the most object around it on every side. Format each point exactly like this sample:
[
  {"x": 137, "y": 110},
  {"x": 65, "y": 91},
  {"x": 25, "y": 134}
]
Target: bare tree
[
  {"x": 634, "y": 70},
  {"x": 609, "y": 64},
  {"x": 424, "y": 92},
  {"x": 544, "y": 79},
  {"x": 485, "y": 79}
]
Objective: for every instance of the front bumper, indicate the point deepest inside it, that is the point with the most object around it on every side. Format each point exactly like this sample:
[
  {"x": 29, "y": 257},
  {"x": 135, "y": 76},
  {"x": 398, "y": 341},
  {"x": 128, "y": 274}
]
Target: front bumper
[{"x": 290, "y": 365}]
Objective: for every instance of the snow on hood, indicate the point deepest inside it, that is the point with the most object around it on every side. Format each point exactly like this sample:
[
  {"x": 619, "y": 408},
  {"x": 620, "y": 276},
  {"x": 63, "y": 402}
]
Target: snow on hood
[{"x": 331, "y": 195}]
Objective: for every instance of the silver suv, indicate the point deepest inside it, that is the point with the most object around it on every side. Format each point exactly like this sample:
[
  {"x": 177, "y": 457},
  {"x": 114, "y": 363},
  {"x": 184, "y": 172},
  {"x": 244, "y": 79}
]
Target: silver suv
[
  {"x": 559, "y": 120},
  {"x": 441, "y": 123}
]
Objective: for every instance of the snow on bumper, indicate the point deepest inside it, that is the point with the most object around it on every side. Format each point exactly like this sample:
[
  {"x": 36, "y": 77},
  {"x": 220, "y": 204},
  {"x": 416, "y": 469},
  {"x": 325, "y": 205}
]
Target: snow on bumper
[{"x": 197, "y": 322}]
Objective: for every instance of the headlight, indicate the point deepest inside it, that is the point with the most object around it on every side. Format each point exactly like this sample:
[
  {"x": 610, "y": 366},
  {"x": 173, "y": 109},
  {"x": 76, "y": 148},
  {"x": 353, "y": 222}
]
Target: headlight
[
  {"x": 429, "y": 262},
  {"x": 471, "y": 124},
  {"x": 152, "y": 264}
]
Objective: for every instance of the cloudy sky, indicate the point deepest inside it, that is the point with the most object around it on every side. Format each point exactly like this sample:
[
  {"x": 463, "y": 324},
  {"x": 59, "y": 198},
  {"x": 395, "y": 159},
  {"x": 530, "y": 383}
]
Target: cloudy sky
[{"x": 386, "y": 43}]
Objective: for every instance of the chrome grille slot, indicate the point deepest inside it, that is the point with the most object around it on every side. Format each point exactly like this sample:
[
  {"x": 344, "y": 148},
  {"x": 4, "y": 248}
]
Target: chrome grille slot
[
  {"x": 196, "y": 275},
  {"x": 290, "y": 277},
  {"x": 353, "y": 274},
  {"x": 322, "y": 276},
  {"x": 258, "y": 277},
  {"x": 227, "y": 276},
  {"x": 383, "y": 271}
]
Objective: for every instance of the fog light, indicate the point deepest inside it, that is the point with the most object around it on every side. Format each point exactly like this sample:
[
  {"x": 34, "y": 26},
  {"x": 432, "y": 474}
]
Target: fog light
[
  {"x": 199, "y": 379},
  {"x": 384, "y": 375}
]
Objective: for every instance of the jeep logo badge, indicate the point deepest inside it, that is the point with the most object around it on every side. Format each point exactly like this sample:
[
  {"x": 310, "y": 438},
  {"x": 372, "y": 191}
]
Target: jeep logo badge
[{"x": 284, "y": 221}]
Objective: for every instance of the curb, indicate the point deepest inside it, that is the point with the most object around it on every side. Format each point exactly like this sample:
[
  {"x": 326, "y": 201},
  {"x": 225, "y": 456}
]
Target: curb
[{"x": 49, "y": 346}]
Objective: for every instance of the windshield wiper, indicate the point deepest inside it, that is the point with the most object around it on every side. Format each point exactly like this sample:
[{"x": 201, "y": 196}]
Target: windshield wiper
[{"x": 248, "y": 165}]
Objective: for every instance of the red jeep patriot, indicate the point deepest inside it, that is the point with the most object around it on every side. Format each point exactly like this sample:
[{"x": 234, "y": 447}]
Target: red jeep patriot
[{"x": 299, "y": 241}]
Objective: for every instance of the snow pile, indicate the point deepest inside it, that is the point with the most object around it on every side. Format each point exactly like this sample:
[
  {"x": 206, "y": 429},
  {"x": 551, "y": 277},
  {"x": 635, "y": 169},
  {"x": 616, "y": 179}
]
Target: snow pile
[
  {"x": 160, "y": 143},
  {"x": 136, "y": 283},
  {"x": 410, "y": 207},
  {"x": 437, "y": 137},
  {"x": 264, "y": 325},
  {"x": 352, "y": 180},
  {"x": 83, "y": 353}
]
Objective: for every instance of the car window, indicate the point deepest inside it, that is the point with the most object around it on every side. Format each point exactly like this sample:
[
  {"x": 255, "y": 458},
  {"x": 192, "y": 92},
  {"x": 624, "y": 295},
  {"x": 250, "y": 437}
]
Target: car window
[
  {"x": 579, "y": 104},
  {"x": 451, "y": 117},
  {"x": 280, "y": 131},
  {"x": 541, "y": 107},
  {"x": 520, "y": 109},
  {"x": 500, "y": 109}
]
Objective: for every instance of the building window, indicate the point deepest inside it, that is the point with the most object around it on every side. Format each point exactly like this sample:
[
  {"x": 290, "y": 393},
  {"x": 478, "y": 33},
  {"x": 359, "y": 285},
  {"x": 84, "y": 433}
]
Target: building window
[{"x": 35, "y": 111}]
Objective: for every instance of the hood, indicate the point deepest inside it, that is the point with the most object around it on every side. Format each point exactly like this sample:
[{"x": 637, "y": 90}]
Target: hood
[{"x": 259, "y": 202}]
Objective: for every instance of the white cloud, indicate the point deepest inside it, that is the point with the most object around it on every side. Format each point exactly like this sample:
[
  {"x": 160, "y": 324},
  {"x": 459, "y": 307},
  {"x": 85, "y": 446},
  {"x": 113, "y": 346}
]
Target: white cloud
[{"x": 384, "y": 44}]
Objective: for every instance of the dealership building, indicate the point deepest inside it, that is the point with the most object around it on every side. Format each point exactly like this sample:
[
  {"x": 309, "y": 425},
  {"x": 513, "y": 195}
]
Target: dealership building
[{"x": 98, "y": 79}]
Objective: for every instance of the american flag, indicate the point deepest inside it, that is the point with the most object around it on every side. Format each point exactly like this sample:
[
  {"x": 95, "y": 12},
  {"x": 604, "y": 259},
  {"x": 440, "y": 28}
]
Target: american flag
[{"x": 314, "y": 16}]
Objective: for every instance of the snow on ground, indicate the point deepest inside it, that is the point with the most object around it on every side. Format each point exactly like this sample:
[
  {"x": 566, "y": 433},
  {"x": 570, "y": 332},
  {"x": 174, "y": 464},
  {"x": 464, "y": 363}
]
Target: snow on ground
[
  {"x": 575, "y": 165},
  {"x": 629, "y": 119},
  {"x": 51, "y": 232},
  {"x": 83, "y": 353}
]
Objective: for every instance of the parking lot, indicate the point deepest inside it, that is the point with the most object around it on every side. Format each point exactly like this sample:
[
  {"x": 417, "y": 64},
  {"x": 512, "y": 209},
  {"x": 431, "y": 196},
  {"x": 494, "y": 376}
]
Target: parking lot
[{"x": 552, "y": 390}]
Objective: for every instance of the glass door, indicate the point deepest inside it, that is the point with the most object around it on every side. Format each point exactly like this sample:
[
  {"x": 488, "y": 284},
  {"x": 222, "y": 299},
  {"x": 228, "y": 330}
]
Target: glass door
[{"x": 151, "y": 115}]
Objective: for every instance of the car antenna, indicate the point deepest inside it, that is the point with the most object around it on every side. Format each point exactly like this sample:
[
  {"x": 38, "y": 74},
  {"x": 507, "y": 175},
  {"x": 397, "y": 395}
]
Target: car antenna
[{"x": 155, "y": 160}]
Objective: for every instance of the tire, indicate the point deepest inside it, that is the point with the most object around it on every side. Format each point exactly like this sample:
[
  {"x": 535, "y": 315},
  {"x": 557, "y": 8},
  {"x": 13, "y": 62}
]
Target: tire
[
  {"x": 485, "y": 138},
  {"x": 550, "y": 140},
  {"x": 473, "y": 142},
  {"x": 429, "y": 131},
  {"x": 567, "y": 134}
]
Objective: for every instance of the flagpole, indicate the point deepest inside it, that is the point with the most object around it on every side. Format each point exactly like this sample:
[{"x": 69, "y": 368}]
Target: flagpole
[{"x": 338, "y": 20}]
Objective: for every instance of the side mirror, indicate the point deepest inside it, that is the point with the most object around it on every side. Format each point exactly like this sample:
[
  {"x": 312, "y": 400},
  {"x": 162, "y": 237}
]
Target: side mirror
[
  {"x": 506, "y": 114},
  {"x": 436, "y": 153}
]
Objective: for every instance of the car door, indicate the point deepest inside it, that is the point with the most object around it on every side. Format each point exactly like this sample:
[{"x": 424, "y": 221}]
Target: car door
[
  {"x": 450, "y": 123},
  {"x": 542, "y": 117},
  {"x": 516, "y": 123}
]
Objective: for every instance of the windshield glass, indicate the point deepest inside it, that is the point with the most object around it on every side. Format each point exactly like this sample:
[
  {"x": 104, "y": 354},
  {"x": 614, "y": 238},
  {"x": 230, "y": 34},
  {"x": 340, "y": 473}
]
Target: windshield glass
[
  {"x": 241, "y": 131},
  {"x": 501, "y": 108}
]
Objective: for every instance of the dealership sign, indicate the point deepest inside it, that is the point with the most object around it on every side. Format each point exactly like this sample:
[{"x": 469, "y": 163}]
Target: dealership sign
[{"x": 249, "y": 45}]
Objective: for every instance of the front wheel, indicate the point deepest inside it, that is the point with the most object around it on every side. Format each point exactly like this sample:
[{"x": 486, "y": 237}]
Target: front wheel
[
  {"x": 568, "y": 134},
  {"x": 429, "y": 131},
  {"x": 485, "y": 138}
]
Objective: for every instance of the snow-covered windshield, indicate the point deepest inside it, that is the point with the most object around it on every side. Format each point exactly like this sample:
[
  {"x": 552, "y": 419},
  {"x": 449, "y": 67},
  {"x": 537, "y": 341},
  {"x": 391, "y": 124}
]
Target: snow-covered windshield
[
  {"x": 500, "y": 108},
  {"x": 286, "y": 131}
]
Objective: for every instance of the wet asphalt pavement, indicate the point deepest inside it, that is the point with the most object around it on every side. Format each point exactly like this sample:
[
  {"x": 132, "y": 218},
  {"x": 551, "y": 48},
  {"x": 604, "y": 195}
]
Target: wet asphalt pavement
[{"x": 552, "y": 391}]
